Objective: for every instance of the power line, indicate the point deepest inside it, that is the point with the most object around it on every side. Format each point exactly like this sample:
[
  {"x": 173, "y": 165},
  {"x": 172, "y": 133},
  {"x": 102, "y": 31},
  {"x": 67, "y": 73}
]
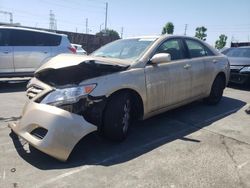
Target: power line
[
  {"x": 95, "y": 5},
  {"x": 10, "y": 15},
  {"x": 42, "y": 16},
  {"x": 70, "y": 7}
]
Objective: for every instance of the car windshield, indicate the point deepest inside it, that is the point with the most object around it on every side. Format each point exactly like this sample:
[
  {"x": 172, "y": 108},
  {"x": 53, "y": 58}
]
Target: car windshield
[
  {"x": 130, "y": 49},
  {"x": 239, "y": 52}
]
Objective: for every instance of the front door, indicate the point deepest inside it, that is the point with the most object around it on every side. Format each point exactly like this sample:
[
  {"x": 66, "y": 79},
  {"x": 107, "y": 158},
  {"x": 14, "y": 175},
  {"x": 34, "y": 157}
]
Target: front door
[{"x": 168, "y": 83}]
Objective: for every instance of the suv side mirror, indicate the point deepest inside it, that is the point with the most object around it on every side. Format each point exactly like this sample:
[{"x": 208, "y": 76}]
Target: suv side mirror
[{"x": 160, "y": 58}]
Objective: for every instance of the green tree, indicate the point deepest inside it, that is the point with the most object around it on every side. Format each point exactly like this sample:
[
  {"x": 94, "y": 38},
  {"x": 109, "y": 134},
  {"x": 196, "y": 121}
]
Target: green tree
[
  {"x": 221, "y": 42},
  {"x": 168, "y": 28},
  {"x": 109, "y": 32},
  {"x": 201, "y": 33}
]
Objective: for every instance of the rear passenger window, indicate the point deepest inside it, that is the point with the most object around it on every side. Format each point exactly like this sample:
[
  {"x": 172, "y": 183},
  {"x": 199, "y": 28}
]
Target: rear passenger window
[
  {"x": 45, "y": 39},
  {"x": 30, "y": 38},
  {"x": 22, "y": 38},
  {"x": 197, "y": 49},
  {"x": 172, "y": 47},
  {"x": 4, "y": 37}
]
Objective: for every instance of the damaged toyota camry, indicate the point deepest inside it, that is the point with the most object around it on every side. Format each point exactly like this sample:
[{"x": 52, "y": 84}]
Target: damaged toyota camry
[{"x": 71, "y": 96}]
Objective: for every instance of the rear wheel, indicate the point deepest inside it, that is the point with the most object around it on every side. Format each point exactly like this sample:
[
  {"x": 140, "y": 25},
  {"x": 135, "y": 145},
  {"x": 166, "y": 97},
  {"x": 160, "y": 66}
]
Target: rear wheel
[
  {"x": 216, "y": 91},
  {"x": 117, "y": 117}
]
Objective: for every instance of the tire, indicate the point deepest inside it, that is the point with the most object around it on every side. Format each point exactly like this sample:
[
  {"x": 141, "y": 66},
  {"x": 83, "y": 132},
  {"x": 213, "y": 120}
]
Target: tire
[
  {"x": 216, "y": 91},
  {"x": 117, "y": 117}
]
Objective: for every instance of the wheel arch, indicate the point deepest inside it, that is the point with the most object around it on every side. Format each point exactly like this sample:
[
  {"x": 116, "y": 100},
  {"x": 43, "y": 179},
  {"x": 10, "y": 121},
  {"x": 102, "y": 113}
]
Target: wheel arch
[
  {"x": 223, "y": 76},
  {"x": 136, "y": 101}
]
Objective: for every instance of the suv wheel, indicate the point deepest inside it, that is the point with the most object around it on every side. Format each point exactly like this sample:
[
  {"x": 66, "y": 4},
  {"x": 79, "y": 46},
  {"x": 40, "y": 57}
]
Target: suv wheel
[
  {"x": 117, "y": 117},
  {"x": 216, "y": 91}
]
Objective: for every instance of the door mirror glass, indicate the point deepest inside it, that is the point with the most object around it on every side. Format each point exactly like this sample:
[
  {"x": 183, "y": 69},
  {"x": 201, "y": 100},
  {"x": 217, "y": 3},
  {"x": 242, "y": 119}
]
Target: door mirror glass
[{"x": 160, "y": 58}]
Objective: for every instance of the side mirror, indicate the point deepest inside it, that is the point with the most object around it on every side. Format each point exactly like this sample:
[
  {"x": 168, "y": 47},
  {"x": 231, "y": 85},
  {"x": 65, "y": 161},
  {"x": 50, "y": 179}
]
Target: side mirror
[{"x": 160, "y": 58}]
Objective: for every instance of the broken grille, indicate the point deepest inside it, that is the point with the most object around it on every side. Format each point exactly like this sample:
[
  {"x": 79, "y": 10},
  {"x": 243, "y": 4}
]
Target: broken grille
[{"x": 33, "y": 91}]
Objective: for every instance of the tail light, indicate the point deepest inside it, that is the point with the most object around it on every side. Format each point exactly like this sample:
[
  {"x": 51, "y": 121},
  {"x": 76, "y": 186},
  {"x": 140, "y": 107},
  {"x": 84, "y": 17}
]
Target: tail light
[{"x": 72, "y": 49}]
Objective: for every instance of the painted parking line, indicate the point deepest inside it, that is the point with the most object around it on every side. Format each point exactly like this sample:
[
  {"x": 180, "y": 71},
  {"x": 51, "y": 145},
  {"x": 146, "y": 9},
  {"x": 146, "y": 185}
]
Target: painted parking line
[{"x": 114, "y": 157}]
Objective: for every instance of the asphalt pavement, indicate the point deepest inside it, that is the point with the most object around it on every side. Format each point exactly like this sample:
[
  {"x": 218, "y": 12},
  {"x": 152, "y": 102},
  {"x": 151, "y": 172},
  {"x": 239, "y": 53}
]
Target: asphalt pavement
[{"x": 193, "y": 146}]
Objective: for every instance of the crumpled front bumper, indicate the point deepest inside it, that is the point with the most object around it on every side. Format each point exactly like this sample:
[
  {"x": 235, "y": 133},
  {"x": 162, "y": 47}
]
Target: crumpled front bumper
[{"x": 64, "y": 129}]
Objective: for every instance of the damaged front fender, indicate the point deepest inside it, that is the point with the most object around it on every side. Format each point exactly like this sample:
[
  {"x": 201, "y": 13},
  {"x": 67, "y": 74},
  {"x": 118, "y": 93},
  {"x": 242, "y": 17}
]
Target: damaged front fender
[{"x": 91, "y": 108}]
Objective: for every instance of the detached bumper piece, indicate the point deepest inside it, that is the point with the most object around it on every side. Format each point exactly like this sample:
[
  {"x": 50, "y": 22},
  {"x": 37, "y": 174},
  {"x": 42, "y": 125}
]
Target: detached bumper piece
[{"x": 51, "y": 130}]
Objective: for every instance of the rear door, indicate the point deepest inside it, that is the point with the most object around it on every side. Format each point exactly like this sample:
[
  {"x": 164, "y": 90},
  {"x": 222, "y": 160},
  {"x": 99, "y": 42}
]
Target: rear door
[
  {"x": 30, "y": 50},
  {"x": 200, "y": 58},
  {"x": 168, "y": 83},
  {"x": 6, "y": 52},
  {"x": 58, "y": 45}
]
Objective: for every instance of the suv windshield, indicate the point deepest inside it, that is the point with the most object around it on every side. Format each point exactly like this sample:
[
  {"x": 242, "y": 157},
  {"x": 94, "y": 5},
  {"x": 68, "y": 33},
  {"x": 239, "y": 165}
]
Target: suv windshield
[
  {"x": 239, "y": 52},
  {"x": 130, "y": 49}
]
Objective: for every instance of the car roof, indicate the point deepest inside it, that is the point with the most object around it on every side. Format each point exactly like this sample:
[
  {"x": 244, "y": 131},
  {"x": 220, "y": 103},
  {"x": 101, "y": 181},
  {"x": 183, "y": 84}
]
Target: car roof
[
  {"x": 28, "y": 29},
  {"x": 144, "y": 37},
  {"x": 163, "y": 37}
]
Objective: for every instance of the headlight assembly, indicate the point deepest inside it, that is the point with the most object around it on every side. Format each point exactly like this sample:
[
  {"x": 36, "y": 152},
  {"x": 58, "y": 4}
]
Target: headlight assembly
[
  {"x": 245, "y": 70},
  {"x": 68, "y": 95}
]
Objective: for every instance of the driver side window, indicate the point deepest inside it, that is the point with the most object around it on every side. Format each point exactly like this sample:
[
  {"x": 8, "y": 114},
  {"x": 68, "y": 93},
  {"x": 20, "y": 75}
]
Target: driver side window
[{"x": 172, "y": 47}]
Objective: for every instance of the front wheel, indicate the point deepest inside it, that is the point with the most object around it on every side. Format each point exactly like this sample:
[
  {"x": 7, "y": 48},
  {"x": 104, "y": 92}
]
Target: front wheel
[
  {"x": 216, "y": 91},
  {"x": 117, "y": 117}
]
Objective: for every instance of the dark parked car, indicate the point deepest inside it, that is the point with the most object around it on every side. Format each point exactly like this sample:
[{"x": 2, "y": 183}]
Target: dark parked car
[{"x": 239, "y": 64}]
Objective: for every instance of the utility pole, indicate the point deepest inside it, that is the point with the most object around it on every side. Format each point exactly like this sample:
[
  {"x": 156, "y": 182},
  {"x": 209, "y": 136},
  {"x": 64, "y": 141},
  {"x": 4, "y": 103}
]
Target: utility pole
[
  {"x": 86, "y": 25},
  {"x": 121, "y": 32},
  {"x": 106, "y": 16},
  {"x": 185, "y": 32},
  {"x": 52, "y": 21},
  {"x": 10, "y": 14},
  {"x": 101, "y": 27},
  {"x": 55, "y": 27},
  {"x": 232, "y": 38}
]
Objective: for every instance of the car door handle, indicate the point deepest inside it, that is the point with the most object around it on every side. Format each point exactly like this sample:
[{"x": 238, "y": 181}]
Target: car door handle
[
  {"x": 5, "y": 52},
  {"x": 215, "y": 61},
  {"x": 45, "y": 52},
  {"x": 187, "y": 66}
]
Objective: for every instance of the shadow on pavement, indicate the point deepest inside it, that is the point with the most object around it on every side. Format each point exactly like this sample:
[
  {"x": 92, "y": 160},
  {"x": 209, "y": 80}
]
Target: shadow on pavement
[
  {"x": 8, "y": 86},
  {"x": 144, "y": 137}
]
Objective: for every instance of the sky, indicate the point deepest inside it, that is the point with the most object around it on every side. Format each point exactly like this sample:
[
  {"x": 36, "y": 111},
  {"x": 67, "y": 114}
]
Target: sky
[{"x": 137, "y": 18}]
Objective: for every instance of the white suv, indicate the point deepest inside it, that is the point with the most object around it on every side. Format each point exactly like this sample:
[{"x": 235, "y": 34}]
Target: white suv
[{"x": 22, "y": 50}]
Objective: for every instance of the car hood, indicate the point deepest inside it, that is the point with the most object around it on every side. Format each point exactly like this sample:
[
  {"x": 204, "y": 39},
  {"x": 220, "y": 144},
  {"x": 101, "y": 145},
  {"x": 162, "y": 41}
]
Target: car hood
[
  {"x": 67, "y": 60},
  {"x": 64, "y": 70},
  {"x": 239, "y": 61}
]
